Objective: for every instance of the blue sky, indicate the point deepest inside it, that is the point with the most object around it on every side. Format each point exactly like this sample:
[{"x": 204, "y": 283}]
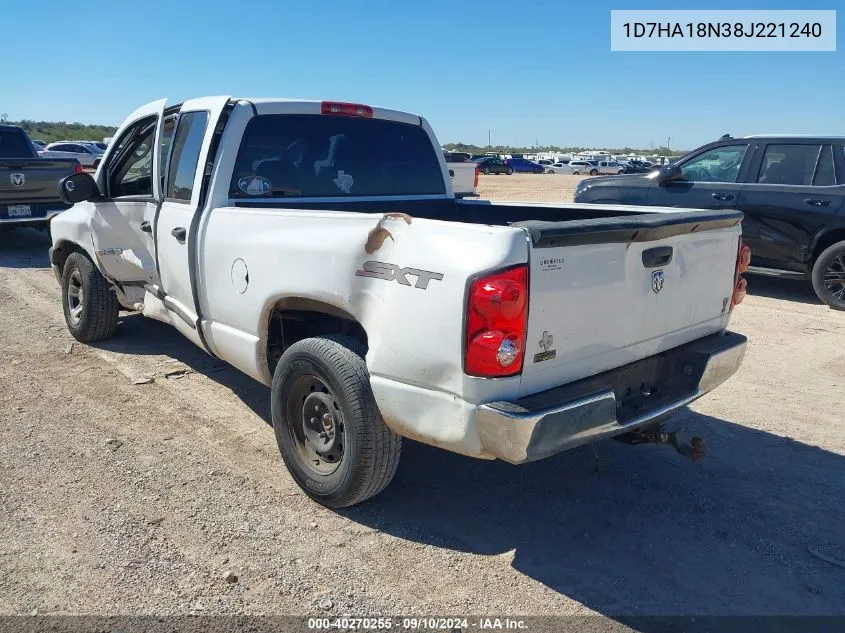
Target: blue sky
[{"x": 525, "y": 70}]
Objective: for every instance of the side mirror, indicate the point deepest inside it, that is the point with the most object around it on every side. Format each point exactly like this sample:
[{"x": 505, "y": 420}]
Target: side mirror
[
  {"x": 77, "y": 188},
  {"x": 668, "y": 173}
]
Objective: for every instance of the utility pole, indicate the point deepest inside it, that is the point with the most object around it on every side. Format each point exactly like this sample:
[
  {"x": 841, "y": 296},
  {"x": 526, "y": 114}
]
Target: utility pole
[
  {"x": 668, "y": 140},
  {"x": 489, "y": 144}
]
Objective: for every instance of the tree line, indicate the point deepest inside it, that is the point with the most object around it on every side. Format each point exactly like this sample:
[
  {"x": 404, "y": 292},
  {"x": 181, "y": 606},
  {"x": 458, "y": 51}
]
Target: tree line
[{"x": 50, "y": 131}]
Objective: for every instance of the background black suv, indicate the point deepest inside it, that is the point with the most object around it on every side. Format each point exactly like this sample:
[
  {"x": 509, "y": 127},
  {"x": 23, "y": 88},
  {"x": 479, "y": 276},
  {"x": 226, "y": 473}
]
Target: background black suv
[{"x": 791, "y": 190}]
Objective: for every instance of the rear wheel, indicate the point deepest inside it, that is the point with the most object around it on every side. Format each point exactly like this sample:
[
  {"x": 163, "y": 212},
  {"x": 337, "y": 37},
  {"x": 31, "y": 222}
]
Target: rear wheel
[
  {"x": 96, "y": 163},
  {"x": 829, "y": 276},
  {"x": 90, "y": 306},
  {"x": 551, "y": 171},
  {"x": 328, "y": 427},
  {"x": 536, "y": 171},
  {"x": 510, "y": 171},
  {"x": 485, "y": 171},
  {"x": 576, "y": 173},
  {"x": 593, "y": 172}
]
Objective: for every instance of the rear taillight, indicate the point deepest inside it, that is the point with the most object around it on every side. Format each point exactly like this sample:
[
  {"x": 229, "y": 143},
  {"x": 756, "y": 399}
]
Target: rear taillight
[
  {"x": 497, "y": 316},
  {"x": 77, "y": 169},
  {"x": 339, "y": 108},
  {"x": 743, "y": 261},
  {"x": 475, "y": 184}
]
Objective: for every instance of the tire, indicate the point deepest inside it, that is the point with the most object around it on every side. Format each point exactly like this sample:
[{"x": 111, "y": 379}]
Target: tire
[
  {"x": 96, "y": 164},
  {"x": 359, "y": 453},
  {"x": 90, "y": 306},
  {"x": 594, "y": 172},
  {"x": 551, "y": 171},
  {"x": 486, "y": 172},
  {"x": 537, "y": 171},
  {"x": 621, "y": 171},
  {"x": 510, "y": 171},
  {"x": 576, "y": 173},
  {"x": 829, "y": 276}
]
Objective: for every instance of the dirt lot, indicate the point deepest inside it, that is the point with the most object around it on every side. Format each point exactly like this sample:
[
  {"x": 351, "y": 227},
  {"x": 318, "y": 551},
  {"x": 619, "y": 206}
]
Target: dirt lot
[{"x": 123, "y": 498}]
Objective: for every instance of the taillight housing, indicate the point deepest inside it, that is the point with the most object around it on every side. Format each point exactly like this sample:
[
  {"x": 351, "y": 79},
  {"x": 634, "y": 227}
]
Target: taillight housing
[
  {"x": 475, "y": 183},
  {"x": 340, "y": 108},
  {"x": 743, "y": 261},
  {"x": 496, "y": 322},
  {"x": 77, "y": 168}
]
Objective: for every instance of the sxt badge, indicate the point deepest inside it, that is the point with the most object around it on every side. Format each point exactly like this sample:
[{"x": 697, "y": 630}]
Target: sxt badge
[{"x": 392, "y": 272}]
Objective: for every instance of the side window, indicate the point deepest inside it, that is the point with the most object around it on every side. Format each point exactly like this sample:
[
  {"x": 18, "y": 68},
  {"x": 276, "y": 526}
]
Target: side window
[
  {"x": 130, "y": 169},
  {"x": 720, "y": 164},
  {"x": 187, "y": 144},
  {"x": 788, "y": 164},
  {"x": 825, "y": 176},
  {"x": 164, "y": 149}
]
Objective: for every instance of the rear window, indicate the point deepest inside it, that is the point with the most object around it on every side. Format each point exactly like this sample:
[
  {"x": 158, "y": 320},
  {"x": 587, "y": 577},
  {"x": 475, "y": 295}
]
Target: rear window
[
  {"x": 285, "y": 155},
  {"x": 14, "y": 144}
]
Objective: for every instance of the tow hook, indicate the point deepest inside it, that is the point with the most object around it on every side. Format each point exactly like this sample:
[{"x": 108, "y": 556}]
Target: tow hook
[{"x": 658, "y": 435}]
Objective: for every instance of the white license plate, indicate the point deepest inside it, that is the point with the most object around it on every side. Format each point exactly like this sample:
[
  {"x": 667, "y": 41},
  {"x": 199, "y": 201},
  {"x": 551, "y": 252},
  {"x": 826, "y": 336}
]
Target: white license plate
[{"x": 19, "y": 211}]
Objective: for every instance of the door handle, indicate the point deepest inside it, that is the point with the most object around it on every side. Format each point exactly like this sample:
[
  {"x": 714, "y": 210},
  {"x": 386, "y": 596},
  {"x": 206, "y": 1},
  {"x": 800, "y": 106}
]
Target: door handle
[
  {"x": 179, "y": 233},
  {"x": 657, "y": 256},
  {"x": 817, "y": 203},
  {"x": 145, "y": 227},
  {"x": 723, "y": 196}
]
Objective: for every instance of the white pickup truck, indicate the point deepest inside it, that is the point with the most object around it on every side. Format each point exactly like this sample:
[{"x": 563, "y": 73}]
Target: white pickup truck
[{"x": 317, "y": 247}]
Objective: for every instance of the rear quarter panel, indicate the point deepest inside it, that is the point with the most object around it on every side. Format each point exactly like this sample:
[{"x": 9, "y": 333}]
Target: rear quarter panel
[{"x": 415, "y": 333}]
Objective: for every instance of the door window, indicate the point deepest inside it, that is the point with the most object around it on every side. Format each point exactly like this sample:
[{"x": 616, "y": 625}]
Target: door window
[
  {"x": 825, "y": 175},
  {"x": 187, "y": 144},
  {"x": 792, "y": 164},
  {"x": 164, "y": 149},
  {"x": 720, "y": 164},
  {"x": 130, "y": 170}
]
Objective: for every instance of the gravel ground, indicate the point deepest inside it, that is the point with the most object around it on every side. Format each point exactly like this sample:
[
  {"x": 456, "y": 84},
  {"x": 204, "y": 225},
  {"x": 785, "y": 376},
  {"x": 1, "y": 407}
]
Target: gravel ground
[{"x": 169, "y": 497}]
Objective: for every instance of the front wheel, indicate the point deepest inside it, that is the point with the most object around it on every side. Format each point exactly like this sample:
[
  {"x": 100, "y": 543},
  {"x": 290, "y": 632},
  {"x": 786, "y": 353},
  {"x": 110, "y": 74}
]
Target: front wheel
[
  {"x": 551, "y": 171},
  {"x": 328, "y": 427},
  {"x": 90, "y": 306},
  {"x": 96, "y": 164},
  {"x": 593, "y": 172},
  {"x": 536, "y": 171},
  {"x": 576, "y": 173},
  {"x": 510, "y": 171},
  {"x": 829, "y": 276},
  {"x": 486, "y": 172}
]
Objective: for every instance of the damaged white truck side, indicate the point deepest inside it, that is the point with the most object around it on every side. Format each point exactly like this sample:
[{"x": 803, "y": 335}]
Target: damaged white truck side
[{"x": 318, "y": 247}]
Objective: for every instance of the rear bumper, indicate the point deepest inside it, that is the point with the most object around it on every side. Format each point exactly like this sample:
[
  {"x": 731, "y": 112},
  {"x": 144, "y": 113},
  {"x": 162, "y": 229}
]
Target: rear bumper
[{"x": 608, "y": 404}]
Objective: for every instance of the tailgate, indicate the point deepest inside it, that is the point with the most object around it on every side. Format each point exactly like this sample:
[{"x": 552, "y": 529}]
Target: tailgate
[
  {"x": 30, "y": 180},
  {"x": 607, "y": 292}
]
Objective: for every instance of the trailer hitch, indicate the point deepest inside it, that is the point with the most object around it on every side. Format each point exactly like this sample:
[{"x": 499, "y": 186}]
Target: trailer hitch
[{"x": 658, "y": 435}]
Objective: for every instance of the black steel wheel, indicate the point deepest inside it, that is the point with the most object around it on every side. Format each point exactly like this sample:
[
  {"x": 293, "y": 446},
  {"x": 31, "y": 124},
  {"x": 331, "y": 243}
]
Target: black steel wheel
[{"x": 328, "y": 427}]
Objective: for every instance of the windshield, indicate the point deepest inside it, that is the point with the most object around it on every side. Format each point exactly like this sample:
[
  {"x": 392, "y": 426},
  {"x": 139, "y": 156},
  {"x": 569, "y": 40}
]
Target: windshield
[{"x": 321, "y": 156}]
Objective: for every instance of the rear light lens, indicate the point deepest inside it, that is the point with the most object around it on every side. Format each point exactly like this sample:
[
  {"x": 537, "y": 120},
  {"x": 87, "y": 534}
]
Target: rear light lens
[
  {"x": 339, "y": 108},
  {"x": 743, "y": 261},
  {"x": 497, "y": 316},
  {"x": 475, "y": 184},
  {"x": 77, "y": 169}
]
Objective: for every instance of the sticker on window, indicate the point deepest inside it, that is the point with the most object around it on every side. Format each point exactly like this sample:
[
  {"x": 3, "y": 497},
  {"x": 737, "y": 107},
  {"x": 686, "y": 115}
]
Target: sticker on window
[
  {"x": 254, "y": 185},
  {"x": 344, "y": 181}
]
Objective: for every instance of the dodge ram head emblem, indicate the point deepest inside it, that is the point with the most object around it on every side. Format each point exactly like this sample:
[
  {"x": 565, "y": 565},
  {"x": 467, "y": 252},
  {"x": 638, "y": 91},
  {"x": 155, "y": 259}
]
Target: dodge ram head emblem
[
  {"x": 657, "y": 280},
  {"x": 18, "y": 180}
]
